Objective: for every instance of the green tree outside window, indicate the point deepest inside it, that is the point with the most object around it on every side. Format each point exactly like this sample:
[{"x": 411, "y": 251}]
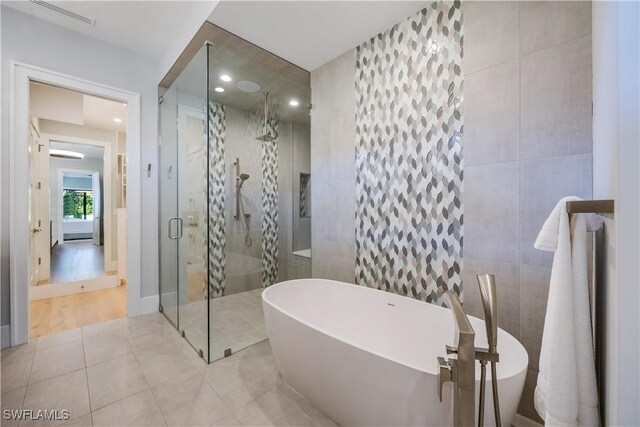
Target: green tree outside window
[{"x": 78, "y": 204}]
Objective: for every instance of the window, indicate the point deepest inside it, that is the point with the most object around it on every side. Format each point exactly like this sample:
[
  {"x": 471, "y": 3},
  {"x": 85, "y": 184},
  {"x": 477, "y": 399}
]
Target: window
[{"x": 77, "y": 204}]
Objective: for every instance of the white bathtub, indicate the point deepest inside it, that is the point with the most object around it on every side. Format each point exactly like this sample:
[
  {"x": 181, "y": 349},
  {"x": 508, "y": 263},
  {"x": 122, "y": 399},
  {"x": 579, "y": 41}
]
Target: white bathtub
[{"x": 367, "y": 357}]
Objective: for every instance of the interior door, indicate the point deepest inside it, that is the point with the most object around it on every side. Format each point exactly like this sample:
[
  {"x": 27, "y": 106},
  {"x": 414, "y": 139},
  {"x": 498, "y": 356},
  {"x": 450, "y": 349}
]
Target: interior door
[{"x": 39, "y": 239}]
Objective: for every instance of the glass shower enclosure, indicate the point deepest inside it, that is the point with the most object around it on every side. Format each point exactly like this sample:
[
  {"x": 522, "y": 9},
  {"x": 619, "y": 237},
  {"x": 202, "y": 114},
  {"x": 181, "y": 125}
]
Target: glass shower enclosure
[{"x": 232, "y": 195}]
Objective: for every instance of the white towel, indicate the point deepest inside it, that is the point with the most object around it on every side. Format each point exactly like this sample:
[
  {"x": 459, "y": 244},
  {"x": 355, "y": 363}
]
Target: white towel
[{"x": 566, "y": 393}]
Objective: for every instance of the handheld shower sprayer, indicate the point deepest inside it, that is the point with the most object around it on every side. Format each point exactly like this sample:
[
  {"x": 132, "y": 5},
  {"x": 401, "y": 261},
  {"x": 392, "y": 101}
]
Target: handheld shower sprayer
[
  {"x": 241, "y": 179},
  {"x": 487, "y": 284}
]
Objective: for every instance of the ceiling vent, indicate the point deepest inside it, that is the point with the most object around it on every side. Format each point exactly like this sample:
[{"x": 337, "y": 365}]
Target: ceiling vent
[{"x": 65, "y": 12}]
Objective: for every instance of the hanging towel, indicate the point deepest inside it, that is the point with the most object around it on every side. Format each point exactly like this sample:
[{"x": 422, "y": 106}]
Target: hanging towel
[{"x": 566, "y": 393}]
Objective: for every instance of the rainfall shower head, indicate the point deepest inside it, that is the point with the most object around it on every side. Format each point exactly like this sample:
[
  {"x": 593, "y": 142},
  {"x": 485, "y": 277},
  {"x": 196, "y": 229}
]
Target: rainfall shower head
[{"x": 266, "y": 135}]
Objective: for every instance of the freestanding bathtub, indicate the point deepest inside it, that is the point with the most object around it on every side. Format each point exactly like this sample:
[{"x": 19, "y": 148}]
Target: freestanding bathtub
[{"x": 369, "y": 358}]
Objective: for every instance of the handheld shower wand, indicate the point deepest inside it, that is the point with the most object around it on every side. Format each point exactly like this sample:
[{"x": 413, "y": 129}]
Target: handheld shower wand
[{"x": 487, "y": 284}]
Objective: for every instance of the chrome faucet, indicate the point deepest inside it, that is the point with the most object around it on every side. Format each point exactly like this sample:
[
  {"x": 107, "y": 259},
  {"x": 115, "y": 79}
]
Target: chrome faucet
[{"x": 461, "y": 370}]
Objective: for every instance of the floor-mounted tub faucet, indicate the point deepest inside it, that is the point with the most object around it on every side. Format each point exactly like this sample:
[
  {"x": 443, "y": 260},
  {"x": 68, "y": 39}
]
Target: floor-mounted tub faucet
[
  {"x": 487, "y": 284},
  {"x": 461, "y": 371}
]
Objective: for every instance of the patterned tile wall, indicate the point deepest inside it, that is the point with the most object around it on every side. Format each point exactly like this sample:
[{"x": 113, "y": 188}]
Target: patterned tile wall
[
  {"x": 409, "y": 215},
  {"x": 270, "y": 207},
  {"x": 216, "y": 196}
]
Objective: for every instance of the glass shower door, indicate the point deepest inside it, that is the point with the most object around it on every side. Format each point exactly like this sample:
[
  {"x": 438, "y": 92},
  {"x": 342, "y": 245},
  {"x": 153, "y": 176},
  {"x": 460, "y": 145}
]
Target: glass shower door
[
  {"x": 169, "y": 223},
  {"x": 192, "y": 203}
]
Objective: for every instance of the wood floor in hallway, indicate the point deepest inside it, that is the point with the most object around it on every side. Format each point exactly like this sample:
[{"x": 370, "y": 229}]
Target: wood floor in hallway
[{"x": 75, "y": 311}]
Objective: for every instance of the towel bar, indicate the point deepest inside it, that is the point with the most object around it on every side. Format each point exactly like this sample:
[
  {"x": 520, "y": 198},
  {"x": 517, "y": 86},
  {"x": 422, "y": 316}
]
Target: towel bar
[
  {"x": 590, "y": 206},
  {"x": 596, "y": 292}
]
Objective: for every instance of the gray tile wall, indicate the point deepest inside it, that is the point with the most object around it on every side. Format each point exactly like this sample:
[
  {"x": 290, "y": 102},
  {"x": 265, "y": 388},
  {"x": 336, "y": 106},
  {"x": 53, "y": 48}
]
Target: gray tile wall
[
  {"x": 527, "y": 143},
  {"x": 333, "y": 169}
]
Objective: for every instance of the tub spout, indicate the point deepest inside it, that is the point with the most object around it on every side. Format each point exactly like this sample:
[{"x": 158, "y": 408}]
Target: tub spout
[{"x": 461, "y": 370}]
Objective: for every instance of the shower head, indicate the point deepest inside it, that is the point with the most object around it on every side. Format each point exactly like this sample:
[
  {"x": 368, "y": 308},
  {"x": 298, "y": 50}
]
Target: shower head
[
  {"x": 266, "y": 135},
  {"x": 241, "y": 179}
]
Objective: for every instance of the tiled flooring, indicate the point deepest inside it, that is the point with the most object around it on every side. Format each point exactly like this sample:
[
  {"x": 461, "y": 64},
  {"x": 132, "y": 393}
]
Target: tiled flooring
[
  {"x": 134, "y": 372},
  {"x": 237, "y": 322},
  {"x": 76, "y": 260},
  {"x": 51, "y": 315}
]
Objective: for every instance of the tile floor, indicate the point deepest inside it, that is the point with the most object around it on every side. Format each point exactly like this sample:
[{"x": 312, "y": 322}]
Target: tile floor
[
  {"x": 237, "y": 322},
  {"x": 76, "y": 260},
  {"x": 139, "y": 371}
]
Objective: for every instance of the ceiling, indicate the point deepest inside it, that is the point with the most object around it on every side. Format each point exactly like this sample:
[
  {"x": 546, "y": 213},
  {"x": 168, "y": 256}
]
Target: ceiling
[
  {"x": 99, "y": 113},
  {"x": 68, "y": 106},
  {"x": 310, "y": 33},
  {"x": 142, "y": 26},
  {"x": 241, "y": 68},
  {"x": 89, "y": 151}
]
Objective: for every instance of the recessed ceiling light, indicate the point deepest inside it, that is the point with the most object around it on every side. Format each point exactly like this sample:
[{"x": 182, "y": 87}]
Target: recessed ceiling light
[
  {"x": 124, "y": 104},
  {"x": 117, "y": 120},
  {"x": 219, "y": 89},
  {"x": 65, "y": 154},
  {"x": 294, "y": 103},
  {"x": 225, "y": 78}
]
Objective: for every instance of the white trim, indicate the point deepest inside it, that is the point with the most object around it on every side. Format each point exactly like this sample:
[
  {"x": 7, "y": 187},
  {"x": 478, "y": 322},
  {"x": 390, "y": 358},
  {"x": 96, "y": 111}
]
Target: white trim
[
  {"x": 149, "y": 304},
  {"x": 20, "y": 76},
  {"x": 52, "y": 290},
  {"x": 5, "y": 336}
]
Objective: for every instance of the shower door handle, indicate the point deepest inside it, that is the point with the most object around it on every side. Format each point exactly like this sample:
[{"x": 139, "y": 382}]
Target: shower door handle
[
  {"x": 175, "y": 218},
  {"x": 180, "y": 228}
]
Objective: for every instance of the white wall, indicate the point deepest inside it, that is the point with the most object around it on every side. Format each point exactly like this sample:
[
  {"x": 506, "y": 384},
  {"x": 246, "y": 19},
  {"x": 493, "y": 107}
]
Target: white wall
[
  {"x": 616, "y": 157},
  {"x": 33, "y": 41}
]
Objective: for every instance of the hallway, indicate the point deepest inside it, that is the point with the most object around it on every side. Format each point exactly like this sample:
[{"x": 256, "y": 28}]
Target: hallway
[{"x": 76, "y": 260}]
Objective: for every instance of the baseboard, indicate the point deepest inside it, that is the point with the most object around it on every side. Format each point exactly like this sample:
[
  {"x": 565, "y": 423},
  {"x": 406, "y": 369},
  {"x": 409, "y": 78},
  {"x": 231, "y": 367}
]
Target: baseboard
[
  {"x": 52, "y": 290},
  {"x": 522, "y": 421},
  {"x": 149, "y": 304},
  {"x": 5, "y": 336}
]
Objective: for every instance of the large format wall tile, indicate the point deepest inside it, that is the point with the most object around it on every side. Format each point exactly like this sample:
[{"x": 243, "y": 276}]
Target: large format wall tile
[
  {"x": 546, "y": 23},
  {"x": 332, "y": 89},
  {"x": 534, "y": 292},
  {"x": 556, "y": 101},
  {"x": 408, "y": 155},
  {"x": 526, "y": 407},
  {"x": 491, "y": 214},
  {"x": 491, "y": 33},
  {"x": 492, "y": 115},
  {"x": 543, "y": 183},
  {"x": 335, "y": 260},
  {"x": 507, "y": 290}
]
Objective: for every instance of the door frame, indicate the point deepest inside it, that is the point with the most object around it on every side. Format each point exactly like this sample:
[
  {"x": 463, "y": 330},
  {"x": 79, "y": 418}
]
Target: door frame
[
  {"x": 108, "y": 166},
  {"x": 21, "y": 75}
]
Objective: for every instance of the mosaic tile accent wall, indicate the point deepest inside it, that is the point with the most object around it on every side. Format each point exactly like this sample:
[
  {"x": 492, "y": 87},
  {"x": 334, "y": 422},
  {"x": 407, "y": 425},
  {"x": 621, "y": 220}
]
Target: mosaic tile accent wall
[
  {"x": 409, "y": 172},
  {"x": 216, "y": 195},
  {"x": 270, "y": 207}
]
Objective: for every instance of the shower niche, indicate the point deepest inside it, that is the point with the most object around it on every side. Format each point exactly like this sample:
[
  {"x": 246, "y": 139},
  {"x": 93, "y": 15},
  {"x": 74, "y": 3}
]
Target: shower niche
[{"x": 233, "y": 143}]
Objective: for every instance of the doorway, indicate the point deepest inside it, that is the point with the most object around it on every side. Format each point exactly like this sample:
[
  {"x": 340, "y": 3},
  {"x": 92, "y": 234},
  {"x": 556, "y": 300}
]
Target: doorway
[
  {"x": 97, "y": 216},
  {"x": 74, "y": 277}
]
